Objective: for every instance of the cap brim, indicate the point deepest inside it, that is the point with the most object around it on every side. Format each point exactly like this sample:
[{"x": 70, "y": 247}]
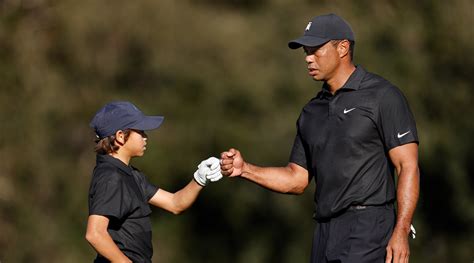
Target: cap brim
[
  {"x": 148, "y": 123},
  {"x": 309, "y": 41}
]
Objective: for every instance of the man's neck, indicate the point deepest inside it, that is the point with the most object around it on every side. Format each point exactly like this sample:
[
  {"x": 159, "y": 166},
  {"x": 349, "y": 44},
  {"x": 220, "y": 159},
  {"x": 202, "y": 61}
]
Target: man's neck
[{"x": 341, "y": 77}]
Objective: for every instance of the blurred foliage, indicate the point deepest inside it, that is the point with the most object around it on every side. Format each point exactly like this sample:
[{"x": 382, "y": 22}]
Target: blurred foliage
[{"x": 221, "y": 73}]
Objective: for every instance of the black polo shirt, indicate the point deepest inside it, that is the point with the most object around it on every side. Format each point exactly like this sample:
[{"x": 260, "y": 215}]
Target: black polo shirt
[
  {"x": 121, "y": 193},
  {"x": 343, "y": 141}
]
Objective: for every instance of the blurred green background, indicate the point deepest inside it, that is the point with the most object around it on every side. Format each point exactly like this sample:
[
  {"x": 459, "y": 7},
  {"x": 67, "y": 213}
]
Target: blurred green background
[{"x": 221, "y": 73}]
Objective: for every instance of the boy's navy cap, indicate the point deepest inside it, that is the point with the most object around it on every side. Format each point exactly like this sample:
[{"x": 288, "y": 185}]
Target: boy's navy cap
[
  {"x": 121, "y": 115},
  {"x": 323, "y": 29}
]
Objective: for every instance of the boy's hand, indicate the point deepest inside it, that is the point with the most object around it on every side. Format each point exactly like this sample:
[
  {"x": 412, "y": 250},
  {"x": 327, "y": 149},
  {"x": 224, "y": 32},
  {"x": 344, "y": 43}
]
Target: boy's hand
[
  {"x": 208, "y": 171},
  {"x": 214, "y": 165}
]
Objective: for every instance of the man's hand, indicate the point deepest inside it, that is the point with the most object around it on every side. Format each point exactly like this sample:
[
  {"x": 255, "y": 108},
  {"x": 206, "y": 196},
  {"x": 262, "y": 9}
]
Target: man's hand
[
  {"x": 398, "y": 250},
  {"x": 208, "y": 171},
  {"x": 232, "y": 163}
]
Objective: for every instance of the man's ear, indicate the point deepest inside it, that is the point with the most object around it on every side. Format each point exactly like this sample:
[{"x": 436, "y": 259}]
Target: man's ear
[
  {"x": 120, "y": 137},
  {"x": 343, "y": 48}
]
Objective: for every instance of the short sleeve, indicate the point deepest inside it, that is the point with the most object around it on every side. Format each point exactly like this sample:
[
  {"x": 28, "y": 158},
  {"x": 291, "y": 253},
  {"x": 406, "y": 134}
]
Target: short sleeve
[
  {"x": 107, "y": 197},
  {"x": 395, "y": 121},
  {"x": 298, "y": 153},
  {"x": 148, "y": 188}
]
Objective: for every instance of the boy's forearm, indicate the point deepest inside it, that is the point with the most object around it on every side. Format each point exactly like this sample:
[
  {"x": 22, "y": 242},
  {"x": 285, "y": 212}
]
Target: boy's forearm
[
  {"x": 105, "y": 246},
  {"x": 185, "y": 197}
]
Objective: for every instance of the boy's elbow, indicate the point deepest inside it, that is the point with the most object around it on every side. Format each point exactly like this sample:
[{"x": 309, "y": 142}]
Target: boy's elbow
[
  {"x": 92, "y": 237},
  {"x": 177, "y": 210},
  {"x": 178, "y": 206}
]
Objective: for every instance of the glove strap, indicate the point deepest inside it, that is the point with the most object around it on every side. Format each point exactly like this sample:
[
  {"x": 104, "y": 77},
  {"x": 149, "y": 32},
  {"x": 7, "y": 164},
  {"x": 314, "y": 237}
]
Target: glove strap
[{"x": 198, "y": 182}]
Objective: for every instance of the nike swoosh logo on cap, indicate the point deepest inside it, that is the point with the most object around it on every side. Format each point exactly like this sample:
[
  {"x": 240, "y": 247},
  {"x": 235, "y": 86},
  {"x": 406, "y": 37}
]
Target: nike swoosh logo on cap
[
  {"x": 403, "y": 134},
  {"x": 349, "y": 110}
]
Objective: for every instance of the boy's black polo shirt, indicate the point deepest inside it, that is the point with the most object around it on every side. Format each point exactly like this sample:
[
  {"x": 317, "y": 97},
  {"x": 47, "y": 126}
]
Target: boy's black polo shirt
[
  {"x": 121, "y": 193},
  {"x": 343, "y": 142}
]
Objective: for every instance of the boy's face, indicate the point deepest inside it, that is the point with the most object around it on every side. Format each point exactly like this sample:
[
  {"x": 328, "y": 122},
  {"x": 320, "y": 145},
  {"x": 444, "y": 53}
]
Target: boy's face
[{"x": 135, "y": 145}]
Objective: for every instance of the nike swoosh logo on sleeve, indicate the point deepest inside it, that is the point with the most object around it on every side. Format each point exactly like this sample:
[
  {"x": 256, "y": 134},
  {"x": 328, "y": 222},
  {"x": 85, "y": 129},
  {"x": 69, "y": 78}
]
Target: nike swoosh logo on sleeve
[{"x": 403, "y": 134}]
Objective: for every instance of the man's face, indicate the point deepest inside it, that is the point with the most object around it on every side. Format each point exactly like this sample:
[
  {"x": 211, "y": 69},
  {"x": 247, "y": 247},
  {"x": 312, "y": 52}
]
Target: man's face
[{"x": 322, "y": 61}]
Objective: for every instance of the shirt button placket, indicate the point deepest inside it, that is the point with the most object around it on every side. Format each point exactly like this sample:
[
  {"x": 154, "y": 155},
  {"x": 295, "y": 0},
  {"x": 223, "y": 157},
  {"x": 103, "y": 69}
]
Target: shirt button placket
[{"x": 332, "y": 105}]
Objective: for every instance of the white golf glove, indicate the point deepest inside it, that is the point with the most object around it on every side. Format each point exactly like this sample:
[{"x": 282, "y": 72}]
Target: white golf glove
[
  {"x": 214, "y": 165},
  {"x": 208, "y": 170}
]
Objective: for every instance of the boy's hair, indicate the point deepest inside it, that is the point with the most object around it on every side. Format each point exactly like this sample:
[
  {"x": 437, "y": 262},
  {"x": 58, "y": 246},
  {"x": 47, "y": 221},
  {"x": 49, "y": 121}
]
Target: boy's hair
[{"x": 107, "y": 145}]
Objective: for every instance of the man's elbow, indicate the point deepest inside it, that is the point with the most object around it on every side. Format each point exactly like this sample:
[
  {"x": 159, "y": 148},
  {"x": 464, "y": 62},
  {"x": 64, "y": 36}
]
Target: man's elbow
[
  {"x": 298, "y": 181},
  {"x": 296, "y": 189}
]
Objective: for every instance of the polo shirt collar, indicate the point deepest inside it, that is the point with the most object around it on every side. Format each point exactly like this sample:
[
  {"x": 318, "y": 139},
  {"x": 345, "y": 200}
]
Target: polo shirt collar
[
  {"x": 105, "y": 158},
  {"x": 353, "y": 83}
]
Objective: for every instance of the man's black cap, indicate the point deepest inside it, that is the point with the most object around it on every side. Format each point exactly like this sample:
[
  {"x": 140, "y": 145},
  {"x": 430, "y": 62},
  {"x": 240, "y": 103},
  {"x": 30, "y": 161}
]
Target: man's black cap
[
  {"x": 121, "y": 115},
  {"x": 323, "y": 29}
]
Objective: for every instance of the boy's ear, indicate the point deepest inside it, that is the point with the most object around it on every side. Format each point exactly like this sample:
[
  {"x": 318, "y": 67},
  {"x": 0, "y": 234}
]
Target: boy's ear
[{"x": 120, "y": 137}]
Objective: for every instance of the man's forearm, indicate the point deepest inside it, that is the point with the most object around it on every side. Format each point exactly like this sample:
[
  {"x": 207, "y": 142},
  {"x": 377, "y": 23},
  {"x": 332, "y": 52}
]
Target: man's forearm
[
  {"x": 278, "y": 179},
  {"x": 407, "y": 197}
]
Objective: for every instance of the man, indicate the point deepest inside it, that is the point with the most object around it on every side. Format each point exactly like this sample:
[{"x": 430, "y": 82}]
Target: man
[{"x": 350, "y": 138}]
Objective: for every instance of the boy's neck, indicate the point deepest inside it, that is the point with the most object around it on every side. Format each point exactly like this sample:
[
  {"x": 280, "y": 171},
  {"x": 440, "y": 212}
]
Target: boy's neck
[{"x": 122, "y": 157}]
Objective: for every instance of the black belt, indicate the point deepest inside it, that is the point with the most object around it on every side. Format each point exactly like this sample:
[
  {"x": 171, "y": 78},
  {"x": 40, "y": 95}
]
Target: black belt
[
  {"x": 362, "y": 207},
  {"x": 353, "y": 208},
  {"x": 357, "y": 207}
]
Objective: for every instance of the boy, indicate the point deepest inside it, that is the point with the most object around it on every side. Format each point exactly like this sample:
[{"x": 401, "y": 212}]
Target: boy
[{"x": 119, "y": 226}]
